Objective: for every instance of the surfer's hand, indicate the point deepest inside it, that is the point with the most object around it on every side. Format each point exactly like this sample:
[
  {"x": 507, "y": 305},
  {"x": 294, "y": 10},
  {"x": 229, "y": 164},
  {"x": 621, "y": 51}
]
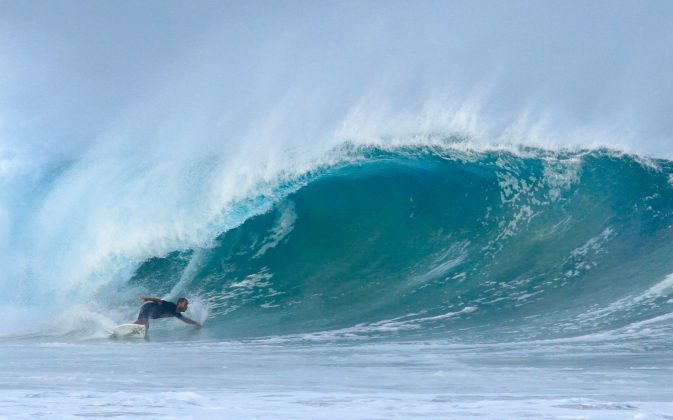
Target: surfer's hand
[{"x": 143, "y": 298}]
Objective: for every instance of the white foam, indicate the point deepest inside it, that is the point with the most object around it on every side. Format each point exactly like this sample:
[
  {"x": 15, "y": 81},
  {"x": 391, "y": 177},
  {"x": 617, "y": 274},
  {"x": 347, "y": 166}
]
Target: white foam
[{"x": 350, "y": 380}]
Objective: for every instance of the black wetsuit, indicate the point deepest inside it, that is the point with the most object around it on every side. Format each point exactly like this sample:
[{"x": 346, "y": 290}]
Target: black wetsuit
[{"x": 153, "y": 310}]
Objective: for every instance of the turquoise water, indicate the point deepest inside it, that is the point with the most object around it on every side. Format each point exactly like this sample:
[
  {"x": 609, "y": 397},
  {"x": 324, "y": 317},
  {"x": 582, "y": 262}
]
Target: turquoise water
[{"x": 408, "y": 281}]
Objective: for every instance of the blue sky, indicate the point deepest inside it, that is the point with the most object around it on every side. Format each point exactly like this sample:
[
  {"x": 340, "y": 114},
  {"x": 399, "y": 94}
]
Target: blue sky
[{"x": 75, "y": 72}]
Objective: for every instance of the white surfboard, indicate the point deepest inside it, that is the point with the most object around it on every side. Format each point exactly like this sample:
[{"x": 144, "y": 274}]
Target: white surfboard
[{"x": 128, "y": 331}]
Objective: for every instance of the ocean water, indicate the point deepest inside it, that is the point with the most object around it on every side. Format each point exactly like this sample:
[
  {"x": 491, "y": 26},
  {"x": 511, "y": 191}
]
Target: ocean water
[
  {"x": 432, "y": 281},
  {"x": 268, "y": 379}
]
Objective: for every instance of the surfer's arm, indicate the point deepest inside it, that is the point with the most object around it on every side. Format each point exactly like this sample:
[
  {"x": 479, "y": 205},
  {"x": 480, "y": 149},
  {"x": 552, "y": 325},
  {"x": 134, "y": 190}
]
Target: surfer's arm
[
  {"x": 189, "y": 321},
  {"x": 150, "y": 299}
]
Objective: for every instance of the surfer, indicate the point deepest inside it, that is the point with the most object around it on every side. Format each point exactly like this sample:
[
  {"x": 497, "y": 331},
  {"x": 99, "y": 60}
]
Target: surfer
[{"x": 156, "y": 308}]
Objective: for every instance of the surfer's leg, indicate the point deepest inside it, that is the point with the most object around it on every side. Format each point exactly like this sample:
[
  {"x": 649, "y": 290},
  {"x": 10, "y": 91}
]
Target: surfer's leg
[
  {"x": 145, "y": 314},
  {"x": 142, "y": 321},
  {"x": 146, "y": 323}
]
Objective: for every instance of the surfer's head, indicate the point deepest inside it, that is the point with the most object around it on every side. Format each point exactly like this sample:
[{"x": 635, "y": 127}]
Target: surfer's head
[{"x": 182, "y": 304}]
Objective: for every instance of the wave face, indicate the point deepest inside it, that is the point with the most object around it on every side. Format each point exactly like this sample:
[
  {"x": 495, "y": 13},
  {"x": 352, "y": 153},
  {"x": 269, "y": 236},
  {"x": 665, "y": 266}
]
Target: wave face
[{"x": 426, "y": 242}]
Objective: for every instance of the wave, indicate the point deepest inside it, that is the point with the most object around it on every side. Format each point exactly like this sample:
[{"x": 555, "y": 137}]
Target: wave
[{"x": 429, "y": 242}]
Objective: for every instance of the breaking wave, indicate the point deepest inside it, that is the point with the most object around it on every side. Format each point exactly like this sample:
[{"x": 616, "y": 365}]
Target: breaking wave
[{"x": 425, "y": 241}]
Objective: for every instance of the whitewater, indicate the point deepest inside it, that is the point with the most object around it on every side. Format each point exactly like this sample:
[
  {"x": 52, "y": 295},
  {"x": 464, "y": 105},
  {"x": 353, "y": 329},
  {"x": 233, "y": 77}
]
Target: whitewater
[{"x": 384, "y": 211}]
